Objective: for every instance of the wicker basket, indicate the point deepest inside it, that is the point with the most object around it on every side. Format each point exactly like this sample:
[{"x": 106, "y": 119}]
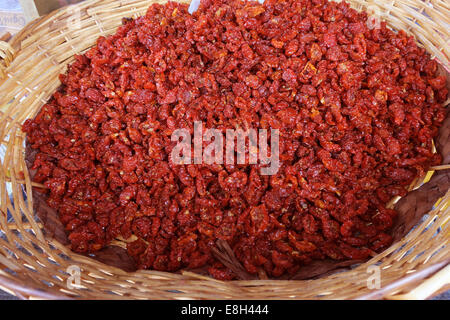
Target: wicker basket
[{"x": 34, "y": 265}]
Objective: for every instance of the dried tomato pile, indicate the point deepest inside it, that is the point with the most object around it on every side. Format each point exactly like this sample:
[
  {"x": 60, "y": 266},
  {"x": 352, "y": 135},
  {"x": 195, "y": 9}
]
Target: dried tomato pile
[{"x": 356, "y": 108}]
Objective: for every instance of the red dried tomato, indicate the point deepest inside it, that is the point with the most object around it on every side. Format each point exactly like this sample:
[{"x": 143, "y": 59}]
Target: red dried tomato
[{"x": 357, "y": 109}]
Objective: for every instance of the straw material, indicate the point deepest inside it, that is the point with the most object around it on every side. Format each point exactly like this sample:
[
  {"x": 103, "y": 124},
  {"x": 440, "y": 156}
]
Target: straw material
[{"x": 34, "y": 263}]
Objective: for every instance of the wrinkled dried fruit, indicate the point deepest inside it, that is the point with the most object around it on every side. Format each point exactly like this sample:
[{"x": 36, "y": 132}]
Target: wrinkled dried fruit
[{"x": 357, "y": 111}]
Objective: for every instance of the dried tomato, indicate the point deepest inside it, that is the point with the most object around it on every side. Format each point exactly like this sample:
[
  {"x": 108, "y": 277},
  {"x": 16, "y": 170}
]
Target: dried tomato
[{"x": 357, "y": 110}]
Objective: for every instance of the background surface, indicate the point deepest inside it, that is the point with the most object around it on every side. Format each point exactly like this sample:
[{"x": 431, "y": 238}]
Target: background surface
[{"x": 12, "y": 18}]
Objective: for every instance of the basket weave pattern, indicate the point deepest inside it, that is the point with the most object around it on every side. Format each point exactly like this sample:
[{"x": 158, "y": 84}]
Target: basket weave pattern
[{"x": 35, "y": 265}]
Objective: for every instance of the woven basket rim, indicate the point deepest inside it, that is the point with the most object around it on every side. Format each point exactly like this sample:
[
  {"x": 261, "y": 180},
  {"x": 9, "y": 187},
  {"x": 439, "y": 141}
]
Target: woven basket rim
[{"x": 27, "y": 87}]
